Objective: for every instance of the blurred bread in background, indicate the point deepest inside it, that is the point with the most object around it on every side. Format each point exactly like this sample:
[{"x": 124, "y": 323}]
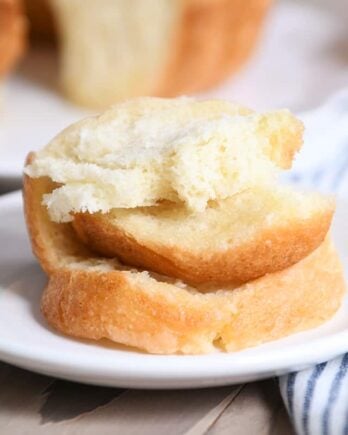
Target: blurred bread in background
[
  {"x": 12, "y": 34},
  {"x": 113, "y": 49},
  {"x": 41, "y": 20}
]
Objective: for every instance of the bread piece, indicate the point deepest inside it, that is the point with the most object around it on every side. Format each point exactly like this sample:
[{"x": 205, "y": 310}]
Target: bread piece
[
  {"x": 12, "y": 34},
  {"x": 115, "y": 49},
  {"x": 212, "y": 161},
  {"x": 146, "y": 150},
  {"x": 259, "y": 231},
  {"x": 95, "y": 298}
]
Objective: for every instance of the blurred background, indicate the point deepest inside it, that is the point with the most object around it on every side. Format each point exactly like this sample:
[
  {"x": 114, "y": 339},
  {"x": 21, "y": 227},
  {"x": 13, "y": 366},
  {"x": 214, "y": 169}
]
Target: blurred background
[{"x": 61, "y": 60}]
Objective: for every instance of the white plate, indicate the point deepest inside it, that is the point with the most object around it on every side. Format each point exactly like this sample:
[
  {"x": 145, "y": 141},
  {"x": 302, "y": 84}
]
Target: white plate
[
  {"x": 26, "y": 340},
  {"x": 283, "y": 72}
]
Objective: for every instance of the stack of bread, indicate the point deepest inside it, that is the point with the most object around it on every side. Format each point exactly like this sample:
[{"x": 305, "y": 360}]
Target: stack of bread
[
  {"x": 161, "y": 225},
  {"x": 12, "y": 34},
  {"x": 114, "y": 49}
]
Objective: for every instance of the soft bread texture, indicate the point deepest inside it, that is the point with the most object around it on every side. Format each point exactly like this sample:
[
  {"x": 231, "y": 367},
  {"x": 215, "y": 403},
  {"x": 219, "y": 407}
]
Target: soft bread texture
[
  {"x": 95, "y": 298},
  {"x": 147, "y": 150},
  {"x": 204, "y": 173},
  {"x": 258, "y": 231},
  {"x": 115, "y": 49},
  {"x": 12, "y": 34}
]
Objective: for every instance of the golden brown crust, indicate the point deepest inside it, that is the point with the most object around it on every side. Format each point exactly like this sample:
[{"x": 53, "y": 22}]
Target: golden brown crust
[
  {"x": 12, "y": 33},
  {"x": 43, "y": 232},
  {"x": 110, "y": 305},
  {"x": 213, "y": 40},
  {"x": 271, "y": 250},
  {"x": 136, "y": 310}
]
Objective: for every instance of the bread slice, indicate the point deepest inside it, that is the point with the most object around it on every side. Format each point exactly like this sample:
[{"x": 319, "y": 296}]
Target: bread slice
[
  {"x": 12, "y": 34},
  {"x": 115, "y": 49},
  {"x": 197, "y": 168},
  {"x": 95, "y": 298},
  {"x": 259, "y": 231},
  {"x": 147, "y": 150}
]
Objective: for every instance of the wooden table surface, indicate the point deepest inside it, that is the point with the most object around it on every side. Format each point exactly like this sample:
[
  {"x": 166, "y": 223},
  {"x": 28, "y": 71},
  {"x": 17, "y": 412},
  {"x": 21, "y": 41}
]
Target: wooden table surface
[{"x": 35, "y": 404}]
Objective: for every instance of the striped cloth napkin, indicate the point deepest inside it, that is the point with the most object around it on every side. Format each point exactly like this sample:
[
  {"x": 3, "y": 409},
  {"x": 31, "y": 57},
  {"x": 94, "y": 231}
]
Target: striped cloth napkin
[{"x": 317, "y": 398}]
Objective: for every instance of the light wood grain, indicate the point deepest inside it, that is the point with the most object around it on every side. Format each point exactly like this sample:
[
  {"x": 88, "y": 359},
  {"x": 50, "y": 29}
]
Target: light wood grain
[
  {"x": 31, "y": 404},
  {"x": 20, "y": 399},
  {"x": 149, "y": 412},
  {"x": 254, "y": 411}
]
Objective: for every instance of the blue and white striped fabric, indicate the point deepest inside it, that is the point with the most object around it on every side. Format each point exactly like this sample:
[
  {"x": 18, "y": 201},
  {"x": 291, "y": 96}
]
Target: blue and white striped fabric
[{"x": 317, "y": 398}]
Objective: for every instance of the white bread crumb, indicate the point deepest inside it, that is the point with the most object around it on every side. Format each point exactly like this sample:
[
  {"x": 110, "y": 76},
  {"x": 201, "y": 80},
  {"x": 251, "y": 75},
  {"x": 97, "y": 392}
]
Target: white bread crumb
[{"x": 146, "y": 150}]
